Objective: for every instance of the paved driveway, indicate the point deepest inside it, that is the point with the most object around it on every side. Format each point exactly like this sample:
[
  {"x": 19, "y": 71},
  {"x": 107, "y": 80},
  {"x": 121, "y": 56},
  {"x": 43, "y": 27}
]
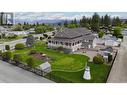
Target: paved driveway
[
  {"x": 13, "y": 74},
  {"x": 118, "y": 73}
]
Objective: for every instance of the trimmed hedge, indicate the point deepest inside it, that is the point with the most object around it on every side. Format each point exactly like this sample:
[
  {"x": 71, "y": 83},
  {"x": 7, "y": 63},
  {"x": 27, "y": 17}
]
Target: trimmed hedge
[{"x": 19, "y": 46}]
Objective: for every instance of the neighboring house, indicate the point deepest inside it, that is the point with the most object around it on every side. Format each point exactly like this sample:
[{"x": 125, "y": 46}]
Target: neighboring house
[
  {"x": 108, "y": 40},
  {"x": 105, "y": 52},
  {"x": 18, "y": 33},
  {"x": 73, "y": 39},
  {"x": 45, "y": 67},
  {"x": 12, "y": 44},
  {"x": 37, "y": 36},
  {"x": 31, "y": 31}
]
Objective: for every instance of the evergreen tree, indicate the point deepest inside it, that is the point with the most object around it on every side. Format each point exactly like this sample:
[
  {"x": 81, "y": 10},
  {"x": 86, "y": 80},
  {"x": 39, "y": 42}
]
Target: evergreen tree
[
  {"x": 95, "y": 23},
  {"x": 107, "y": 21}
]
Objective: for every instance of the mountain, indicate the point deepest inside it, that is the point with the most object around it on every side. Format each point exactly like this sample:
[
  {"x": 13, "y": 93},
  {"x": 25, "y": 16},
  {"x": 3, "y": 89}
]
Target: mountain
[{"x": 38, "y": 21}]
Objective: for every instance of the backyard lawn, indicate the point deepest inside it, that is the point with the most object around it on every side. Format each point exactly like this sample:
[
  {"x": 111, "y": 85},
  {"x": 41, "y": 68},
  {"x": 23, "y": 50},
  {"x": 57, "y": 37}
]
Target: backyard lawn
[
  {"x": 99, "y": 73},
  {"x": 69, "y": 66}
]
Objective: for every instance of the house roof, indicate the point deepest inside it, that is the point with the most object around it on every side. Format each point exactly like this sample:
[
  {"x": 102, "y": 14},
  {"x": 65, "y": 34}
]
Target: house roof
[
  {"x": 109, "y": 49},
  {"x": 89, "y": 37},
  {"x": 72, "y": 33},
  {"x": 45, "y": 65}
]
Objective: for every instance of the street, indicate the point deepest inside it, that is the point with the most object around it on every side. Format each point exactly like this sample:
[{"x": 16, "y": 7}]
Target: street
[
  {"x": 118, "y": 73},
  {"x": 13, "y": 74}
]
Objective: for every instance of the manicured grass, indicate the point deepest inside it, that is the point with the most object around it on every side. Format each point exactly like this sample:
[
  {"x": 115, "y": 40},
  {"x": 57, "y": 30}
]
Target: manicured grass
[
  {"x": 99, "y": 74},
  {"x": 62, "y": 61},
  {"x": 69, "y": 66}
]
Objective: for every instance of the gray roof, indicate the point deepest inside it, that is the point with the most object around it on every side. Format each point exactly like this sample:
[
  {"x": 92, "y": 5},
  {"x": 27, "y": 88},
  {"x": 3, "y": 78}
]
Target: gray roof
[
  {"x": 66, "y": 39},
  {"x": 72, "y": 33},
  {"x": 109, "y": 49},
  {"x": 89, "y": 37}
]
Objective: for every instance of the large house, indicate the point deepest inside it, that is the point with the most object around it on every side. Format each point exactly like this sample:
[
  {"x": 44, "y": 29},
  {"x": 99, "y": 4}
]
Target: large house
[{"x": 73, "y": 39}]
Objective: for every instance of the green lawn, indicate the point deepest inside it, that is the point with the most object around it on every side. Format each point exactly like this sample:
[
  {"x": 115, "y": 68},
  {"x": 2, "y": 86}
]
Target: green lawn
[
  {"x": 69, "y": 66},
  {"x": 62, "y": 61},
  {"x": 99, "y": 74}
]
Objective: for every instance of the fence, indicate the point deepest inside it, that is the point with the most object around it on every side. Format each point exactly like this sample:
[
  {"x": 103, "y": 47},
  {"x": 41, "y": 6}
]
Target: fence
[
  {"x": 111, "y": 65},
  {"x": 40, "y": 72}
]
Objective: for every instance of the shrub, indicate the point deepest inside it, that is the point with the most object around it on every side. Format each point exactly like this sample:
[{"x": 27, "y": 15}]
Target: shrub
[
  {"x": 19, "y": 46},
  {"x": 31, "y": 62},
  {"x": 45, "y": 35},
  {"x": 49, "y": 37},
  {"x": 6, "y": 55},
  {"x": 41, "y": 38},
  {"x": 33, "y": 51},
  {"x": 98, "y": 59},
  {"x": 109, "y": 57},
  {"x": 120, "y": 36},
  {"x": 101, "y": 34},
  {"x": 7, "y": 47},
  {"x": 60, "y": 48},
  {"x": 17, "y": 58}
]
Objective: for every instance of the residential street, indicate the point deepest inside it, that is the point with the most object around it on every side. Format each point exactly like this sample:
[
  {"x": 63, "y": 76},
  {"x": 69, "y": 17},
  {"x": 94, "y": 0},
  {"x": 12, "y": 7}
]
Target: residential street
[
  {"x": 13, "y": 74},
  {"x": 118, "y": 73}
]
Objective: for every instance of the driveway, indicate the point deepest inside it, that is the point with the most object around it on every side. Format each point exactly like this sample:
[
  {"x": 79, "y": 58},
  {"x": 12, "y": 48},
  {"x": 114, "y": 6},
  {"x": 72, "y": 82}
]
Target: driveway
[
  {"x": 13, "y": 74},
  {"x": 118, "y": 73},
  {"x": 89, "y": 53}
]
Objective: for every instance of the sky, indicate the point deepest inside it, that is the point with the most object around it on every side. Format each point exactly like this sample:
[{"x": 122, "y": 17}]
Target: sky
[{"x": 63, "y": 15}]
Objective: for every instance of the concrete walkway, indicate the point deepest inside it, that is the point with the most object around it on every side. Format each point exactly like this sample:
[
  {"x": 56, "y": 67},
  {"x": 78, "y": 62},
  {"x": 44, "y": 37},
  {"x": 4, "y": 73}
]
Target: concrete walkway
[
  {"x": 118, "y": 73},
  {"x": 13, "y": 74}
]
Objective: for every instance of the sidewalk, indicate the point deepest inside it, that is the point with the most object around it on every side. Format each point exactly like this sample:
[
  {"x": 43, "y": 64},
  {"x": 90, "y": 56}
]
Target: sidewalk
[
  {"x": 13, "y": 74},
  {"x": 118, "y": 73}
]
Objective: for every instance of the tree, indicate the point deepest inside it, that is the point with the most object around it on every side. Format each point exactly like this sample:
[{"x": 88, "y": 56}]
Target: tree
[
  {"x": 75, "y": 21},
  {"x": 41, "y": 38},
  {"x": 26, "y": 26},
  {"x": 19, "y": 46},
  {"x": 7, "y": 47},
  {"x": 117, "y": 31},
  {"x": 116, "y": 21},
  {"x": 30, "y": 41},
  {"x": 107, "y": 21},
  {"x": 40, "y": 29},
  {"x": 45, "y": 35},
  {"x": 100, "y": 34},
  {"x": 17, "y": 27},
  {"x": 98, "y": 59},
  {"x": 72, "y": 26},
  {"x": 83, "y": 21},
  {"x": 65, "y": 23},
  {"x": 6, "y": 55},
  {"x": 102, "y": 21},
  {"x": 31, "y": 62},
  {"x": 17, "y": 58},
  {"x": 95, "y": 23}
]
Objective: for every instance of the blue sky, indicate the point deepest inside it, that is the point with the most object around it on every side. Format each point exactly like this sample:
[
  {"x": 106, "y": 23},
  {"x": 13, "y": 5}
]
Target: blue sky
[{"x": 63, "y": 15}]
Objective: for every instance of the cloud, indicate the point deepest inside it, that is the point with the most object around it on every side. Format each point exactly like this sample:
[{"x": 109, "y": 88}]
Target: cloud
[{"x": 59, "y": 15}]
